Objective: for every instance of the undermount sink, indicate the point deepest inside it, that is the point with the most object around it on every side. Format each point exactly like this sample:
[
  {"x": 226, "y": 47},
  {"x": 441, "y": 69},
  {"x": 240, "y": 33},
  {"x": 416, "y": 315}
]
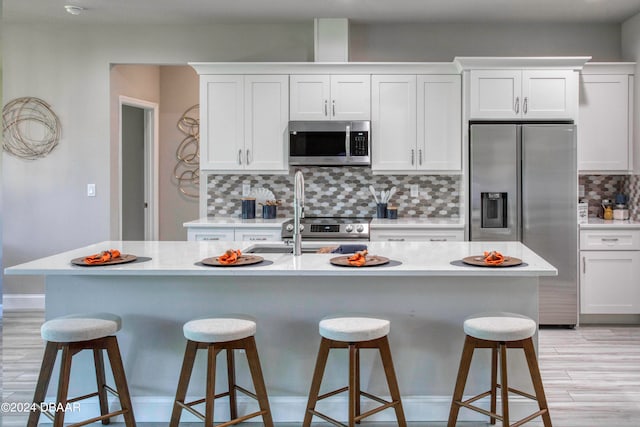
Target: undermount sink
[{"x": 275, "y": 248}]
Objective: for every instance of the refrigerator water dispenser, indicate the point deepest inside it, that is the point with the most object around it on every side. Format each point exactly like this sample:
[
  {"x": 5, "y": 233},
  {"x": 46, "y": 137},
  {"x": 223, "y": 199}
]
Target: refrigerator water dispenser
[{"x": 494, "y": 210}]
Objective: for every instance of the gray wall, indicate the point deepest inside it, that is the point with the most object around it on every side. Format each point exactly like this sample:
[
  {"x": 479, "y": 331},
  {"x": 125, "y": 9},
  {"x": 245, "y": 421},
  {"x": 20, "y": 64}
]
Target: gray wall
[{"x": 46, "y": 208}]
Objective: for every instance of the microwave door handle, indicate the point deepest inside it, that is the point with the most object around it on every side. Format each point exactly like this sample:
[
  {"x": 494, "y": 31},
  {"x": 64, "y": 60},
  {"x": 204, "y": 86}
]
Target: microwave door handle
[{"x": 347, "y": 141}]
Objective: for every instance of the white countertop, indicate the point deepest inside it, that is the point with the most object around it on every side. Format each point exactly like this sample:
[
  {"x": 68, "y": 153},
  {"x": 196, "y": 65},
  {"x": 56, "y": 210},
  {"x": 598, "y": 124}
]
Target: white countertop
[
  {"x": 599, "y": 223},
  {"x": 234, "y": 222},
  {"x": 181, "y": 258},
  {"x": 417, "y": 223}
]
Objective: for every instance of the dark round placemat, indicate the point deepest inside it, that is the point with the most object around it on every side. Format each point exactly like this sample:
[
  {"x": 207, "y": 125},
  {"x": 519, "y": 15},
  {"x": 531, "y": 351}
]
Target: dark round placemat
[
  {"x": 242, "y": 260},
  {"x": 122, "y": 259},
  {"x": 478, "y": 261},
  {"x": 372, "y": 261}
]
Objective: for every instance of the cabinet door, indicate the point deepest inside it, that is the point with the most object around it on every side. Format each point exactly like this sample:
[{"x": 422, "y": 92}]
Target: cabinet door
[
  {"x": 439, "y": 137},
  {"x": 609, "y": 282},
  {"x": 393, "y": 135},
  {"x": 309, "y": 97},
  {"x": 495, "y": 94},
  {"x": 603, "y": 128},
  {"x": 549, "y": 94},
  {"x": 221, "y": 122},
  {"x": 266, "y": 101},
  {"x": 257, "y": 234},
  {"x": 350, "y": 97}
]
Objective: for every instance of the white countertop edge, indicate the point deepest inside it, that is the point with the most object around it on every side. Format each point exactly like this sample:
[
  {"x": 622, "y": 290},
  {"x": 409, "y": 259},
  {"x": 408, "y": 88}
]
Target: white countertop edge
[
  {"x": 235, "y": 222},
  {"x": 599, "y": 223},
  {"x": 426, "y": 223}
]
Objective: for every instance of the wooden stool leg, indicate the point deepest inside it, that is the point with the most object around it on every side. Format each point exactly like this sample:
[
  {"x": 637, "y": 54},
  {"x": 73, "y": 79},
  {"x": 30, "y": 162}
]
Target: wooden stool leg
[
  {"x": 504, "y": 385},
  {"x": 63, "y": 385},
  {"x": 461, "y": 381},
  {"x": 494, "y": 382},
  {"x": 119, "y": 377},
  {"x": 211, "y": 385},
  {"x": 231, "y": 380},
  {"x": 536, "y": 379},
  {"x": 48, "y": 360},
  {"x": 183, "y": 382},
  {"x": 258, "y": 381},
  {"x": 98, "y": 362},
  {"x": 321, "y": 362},
  {"x": 357, "y": 383},
  {"x": 353, "y": 397},
  {"x": 392, "y": 382}
]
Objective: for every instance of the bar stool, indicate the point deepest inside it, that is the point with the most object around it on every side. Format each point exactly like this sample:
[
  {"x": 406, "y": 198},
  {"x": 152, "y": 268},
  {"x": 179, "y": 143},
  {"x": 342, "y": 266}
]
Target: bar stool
[
  {"x": 354, "y": 333},
  {"x": 499, "y": 332},
  {"x": 72, "y": 334},
  {"x": 215, "y": 335}
]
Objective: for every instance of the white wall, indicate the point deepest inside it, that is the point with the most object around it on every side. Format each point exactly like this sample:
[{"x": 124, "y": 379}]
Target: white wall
[
  {"x": 442, "y": 42},
  {"x": 631, "y": 53},
  {"x": 45, "y": 205}
]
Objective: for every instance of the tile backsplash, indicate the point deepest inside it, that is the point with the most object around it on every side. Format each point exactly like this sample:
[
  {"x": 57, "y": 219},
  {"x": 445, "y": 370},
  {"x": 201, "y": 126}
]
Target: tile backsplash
[
  {"x": 600, "y": 187},
  {"x": 340, "y": 191}
]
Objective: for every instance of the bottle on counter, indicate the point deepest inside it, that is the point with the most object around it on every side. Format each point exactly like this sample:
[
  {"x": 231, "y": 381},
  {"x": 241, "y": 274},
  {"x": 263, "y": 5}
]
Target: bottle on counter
[{"x": 620, "y": 211}]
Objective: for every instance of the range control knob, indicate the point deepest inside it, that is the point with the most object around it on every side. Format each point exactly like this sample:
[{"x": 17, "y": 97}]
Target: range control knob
[
  {"x": 360, "y": 228},
  {"x": 301, "y": 227},
  {"x": 289, "y": 227},
  {"x": 348, "y": 228}
]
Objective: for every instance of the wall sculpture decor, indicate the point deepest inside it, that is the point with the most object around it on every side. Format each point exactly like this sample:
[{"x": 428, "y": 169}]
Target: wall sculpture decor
[
  {"x": 187, "y": 170},
  {"x": 30, "y": 129}
]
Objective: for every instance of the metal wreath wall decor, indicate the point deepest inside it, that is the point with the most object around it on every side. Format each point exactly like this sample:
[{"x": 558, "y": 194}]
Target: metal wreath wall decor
[
  {"x": 30, "y": 129},
  {"x": 187, "y": 170}
]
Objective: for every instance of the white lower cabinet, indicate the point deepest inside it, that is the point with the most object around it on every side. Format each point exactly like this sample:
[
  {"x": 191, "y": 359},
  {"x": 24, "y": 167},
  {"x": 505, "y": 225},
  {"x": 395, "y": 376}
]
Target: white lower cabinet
[
  {"x": 417, "y": 235},
  {"x": 609, "y": 276},
  {"x": 242, "y": 234}
]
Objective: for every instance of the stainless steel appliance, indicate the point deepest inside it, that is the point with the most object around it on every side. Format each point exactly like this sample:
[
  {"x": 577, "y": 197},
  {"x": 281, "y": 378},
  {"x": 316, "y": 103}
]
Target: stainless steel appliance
[
  {"x": 330, "y": 229},
  {"x": 329, "y": 143},
  {"x": 523, "y": 186}
]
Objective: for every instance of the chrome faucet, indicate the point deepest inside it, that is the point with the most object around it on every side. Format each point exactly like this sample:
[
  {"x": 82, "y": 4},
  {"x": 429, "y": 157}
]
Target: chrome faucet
[{"x": 298, "y": 211}]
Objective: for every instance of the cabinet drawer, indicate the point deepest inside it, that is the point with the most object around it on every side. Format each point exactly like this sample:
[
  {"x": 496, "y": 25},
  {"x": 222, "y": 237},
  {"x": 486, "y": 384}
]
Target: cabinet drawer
[
  {"x": 257, "y": 235},
  {"x": 417, "y": 235},
  {"x": 615, "y": 240},
  {"x": 203, "y": 234}
]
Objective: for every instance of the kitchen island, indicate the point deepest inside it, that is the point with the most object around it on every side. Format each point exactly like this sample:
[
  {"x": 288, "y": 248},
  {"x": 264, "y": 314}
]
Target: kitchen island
[{"x": 424, "y": 291}]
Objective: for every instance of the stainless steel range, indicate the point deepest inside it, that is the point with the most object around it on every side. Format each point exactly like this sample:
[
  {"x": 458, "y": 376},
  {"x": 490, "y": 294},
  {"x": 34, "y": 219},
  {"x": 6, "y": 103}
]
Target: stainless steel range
[{"x": 330, "y": 228}]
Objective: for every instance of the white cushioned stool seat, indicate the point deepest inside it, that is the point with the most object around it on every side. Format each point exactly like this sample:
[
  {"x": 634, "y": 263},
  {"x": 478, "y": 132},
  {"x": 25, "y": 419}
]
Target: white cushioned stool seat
[
  {"x": 80, "y": 327},
  {"x": 353, "y": 329},
  {"x": 500, "y": 327},
  {"x": 218, "y": 329}
]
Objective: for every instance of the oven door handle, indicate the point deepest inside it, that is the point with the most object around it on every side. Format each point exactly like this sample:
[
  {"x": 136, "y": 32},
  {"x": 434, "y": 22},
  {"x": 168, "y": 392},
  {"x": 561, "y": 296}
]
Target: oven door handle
[{"x": 347, "y": 142}]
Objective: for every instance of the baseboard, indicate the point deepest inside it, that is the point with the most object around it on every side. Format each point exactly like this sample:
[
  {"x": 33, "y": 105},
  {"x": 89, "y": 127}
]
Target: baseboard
[
  {"x": 23, "y": 302},
  {"x": 292, "y": 408}
]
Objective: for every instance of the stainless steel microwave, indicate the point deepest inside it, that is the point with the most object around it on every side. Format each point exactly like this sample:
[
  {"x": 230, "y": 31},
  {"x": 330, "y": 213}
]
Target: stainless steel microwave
[{"x": 329, "y": 143}]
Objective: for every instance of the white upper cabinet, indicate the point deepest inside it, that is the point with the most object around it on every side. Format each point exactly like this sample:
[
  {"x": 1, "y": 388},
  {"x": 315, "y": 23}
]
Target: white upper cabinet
[
  {"x": 439, "y": 123},
  {"x": 523, "y": 94},
  {"x": 243, "y": 124},
  {"x": 393, "y": 123},
  {"x": 416, "y": 123},
  {"x": 605, "y": 131},
  {"x": 330, "y": 97}
]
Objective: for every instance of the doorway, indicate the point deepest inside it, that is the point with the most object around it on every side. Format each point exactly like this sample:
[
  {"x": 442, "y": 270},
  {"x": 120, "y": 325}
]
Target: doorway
[{"x": 138, "y": 169}]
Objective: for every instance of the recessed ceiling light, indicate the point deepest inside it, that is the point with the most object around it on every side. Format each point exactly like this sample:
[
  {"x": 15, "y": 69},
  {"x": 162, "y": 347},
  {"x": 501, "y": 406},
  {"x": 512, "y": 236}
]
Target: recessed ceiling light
[{"x": 74, "y": 10}]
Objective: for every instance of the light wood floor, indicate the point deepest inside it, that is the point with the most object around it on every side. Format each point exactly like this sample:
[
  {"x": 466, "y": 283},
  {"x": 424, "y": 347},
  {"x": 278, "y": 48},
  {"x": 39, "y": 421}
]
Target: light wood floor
[{"x": 591, "y": 374}]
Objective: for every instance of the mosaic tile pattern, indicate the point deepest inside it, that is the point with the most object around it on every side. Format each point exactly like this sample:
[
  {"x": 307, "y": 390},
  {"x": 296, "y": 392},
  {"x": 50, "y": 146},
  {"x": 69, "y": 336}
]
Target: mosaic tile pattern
[
  {"x": 601, "y": 187},
  {"x": 632, "y": 190},
  {"x": 340, "y": 191}
]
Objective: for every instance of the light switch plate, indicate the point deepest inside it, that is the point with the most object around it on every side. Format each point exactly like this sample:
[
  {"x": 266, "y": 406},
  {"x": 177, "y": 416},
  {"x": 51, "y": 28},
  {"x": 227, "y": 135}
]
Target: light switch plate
[
  {"x": 91, "y": 190},
  {"x": 415, "y": 190},
  {"x": 580, "y": 190},
  {"x": 246, "y": 189}
]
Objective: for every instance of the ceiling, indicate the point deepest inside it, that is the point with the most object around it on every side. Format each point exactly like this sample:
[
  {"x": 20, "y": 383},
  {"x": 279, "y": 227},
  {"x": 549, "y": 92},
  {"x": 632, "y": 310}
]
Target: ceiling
[{"x": 358, "y": 11}]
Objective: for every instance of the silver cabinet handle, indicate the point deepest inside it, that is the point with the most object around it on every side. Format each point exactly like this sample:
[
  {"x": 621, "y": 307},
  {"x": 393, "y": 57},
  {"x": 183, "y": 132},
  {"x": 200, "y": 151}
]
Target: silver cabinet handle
[
  {"x": 413, "y": 157},
  {"x": 517, "y": 104},
  {"x": 391, "y": 239},
  {"x": 420, "y": 156},
  {"x": 257, "y": 238},
  {"x": 584, "y": 265},
  {"x": 443, "y": 239},
  {"x": 611, "y": 239},
  {"x": 209, "y": 238},
  {"x": 325, "y": 107},
  {"x": 333, "y": 107},
  {"x": 524, "y": 105},
  {"x": 248, "y": 156},
  {"x": 239, "y": 157}
]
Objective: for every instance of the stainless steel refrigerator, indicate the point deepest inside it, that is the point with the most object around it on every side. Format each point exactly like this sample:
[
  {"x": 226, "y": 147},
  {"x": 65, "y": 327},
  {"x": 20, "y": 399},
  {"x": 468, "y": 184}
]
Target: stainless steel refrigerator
[{"x": 523, "y": 186}]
